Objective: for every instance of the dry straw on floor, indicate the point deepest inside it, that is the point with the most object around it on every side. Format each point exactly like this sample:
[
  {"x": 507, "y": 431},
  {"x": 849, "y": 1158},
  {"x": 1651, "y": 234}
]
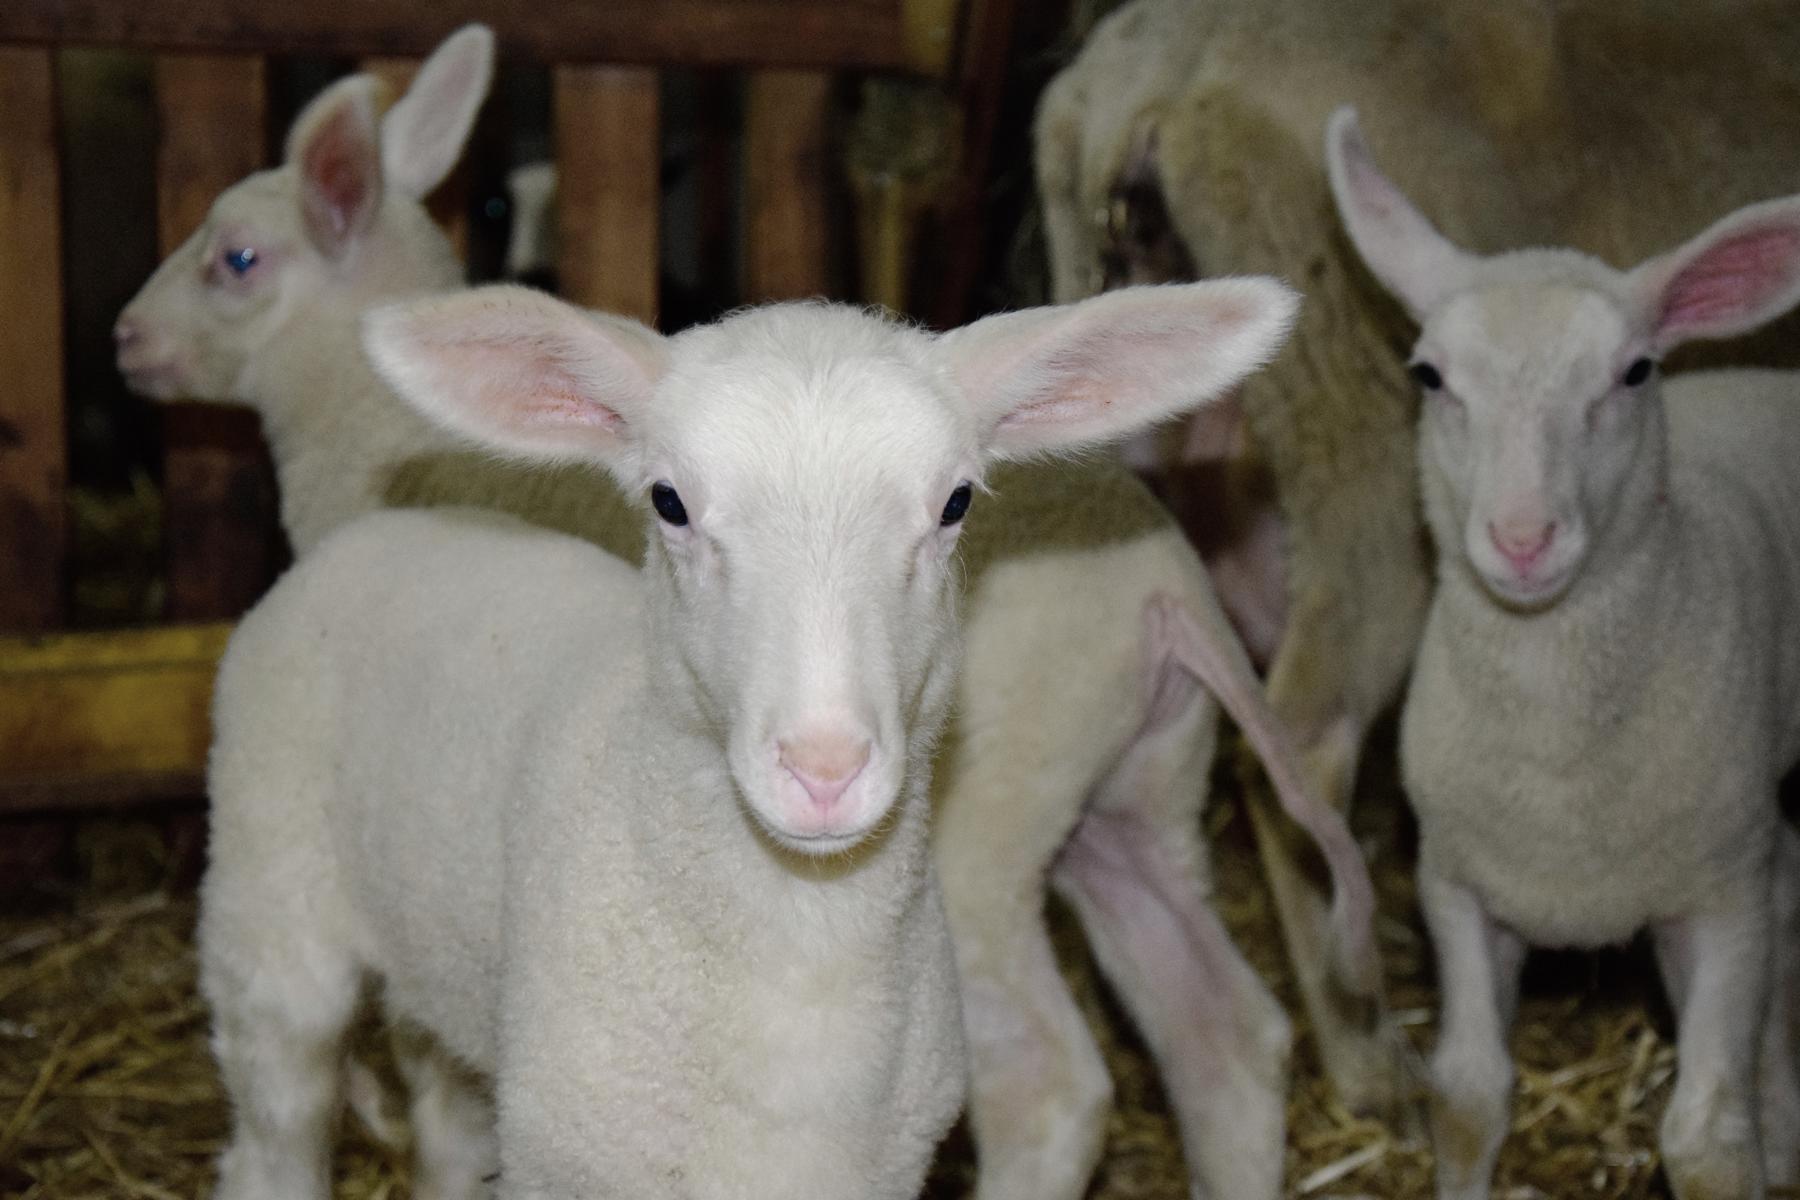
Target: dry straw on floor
[{"x": 107, "y": 1089}]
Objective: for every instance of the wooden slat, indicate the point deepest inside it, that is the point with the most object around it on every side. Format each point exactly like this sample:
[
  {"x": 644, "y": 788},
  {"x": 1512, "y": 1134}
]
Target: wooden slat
[
  {"x": 786, "y": 159},
  {"x": 449, "y": 204},
  {"x": 33, "y": 450},
  {"x": 220, "y": 487},
  {"x": 819, "y": 33},
  {"x": 211, "y": 113},
  {"x": 223, "y": 542},
  {"x": 608, "y": 190},
  {"x": 930, "y": 27},
  {"x": 716, "y": 169},
  {"x": 980, "y": 79},
  {"x": 96, "y": 717}
]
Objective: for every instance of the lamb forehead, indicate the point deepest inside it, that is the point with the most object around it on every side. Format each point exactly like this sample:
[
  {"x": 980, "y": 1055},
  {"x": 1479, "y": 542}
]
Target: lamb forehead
[
  {"x": 258, "y": 196},
  {"x": 799, "y": 389},
  {"x": 1558, "y": 337}
]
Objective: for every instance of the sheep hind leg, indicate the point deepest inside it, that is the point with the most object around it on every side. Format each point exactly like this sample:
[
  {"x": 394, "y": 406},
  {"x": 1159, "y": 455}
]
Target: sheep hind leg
[
  {"x": 1039, "y": 1092},
  {"x": 1135, "y": 872},
  {"x": 1371, "y": 1065},
  {"x": 455, "y": 1148}
]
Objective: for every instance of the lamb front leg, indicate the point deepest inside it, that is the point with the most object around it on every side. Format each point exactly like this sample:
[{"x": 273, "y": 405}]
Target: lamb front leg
[
  {"x": 1471, "y": 1070},
  {"x": 1716, "y": 967}
]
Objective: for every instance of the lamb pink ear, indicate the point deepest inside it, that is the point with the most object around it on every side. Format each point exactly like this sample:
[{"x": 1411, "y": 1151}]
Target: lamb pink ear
[
  {"x": 422, "y": 136},
  {"x": 520, "y": 372},
  {"x": 1741, "y": 273},
  {"x": 1415, "y": 262},
  {"x": 1075, "y": 375},
  {"x": 334, "y": 151}
]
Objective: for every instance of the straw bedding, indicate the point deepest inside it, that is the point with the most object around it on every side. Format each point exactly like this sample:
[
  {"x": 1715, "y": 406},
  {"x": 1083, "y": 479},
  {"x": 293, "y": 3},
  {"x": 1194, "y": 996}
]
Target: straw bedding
[{"x": 107, "y": 1089}]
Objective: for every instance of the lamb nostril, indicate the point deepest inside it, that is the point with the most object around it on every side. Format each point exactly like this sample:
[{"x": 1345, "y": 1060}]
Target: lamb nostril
[
  {"x": 126, "y": 333},
  {"x": 1522, "y": 547},
  {"x": 825, "y": 766}
]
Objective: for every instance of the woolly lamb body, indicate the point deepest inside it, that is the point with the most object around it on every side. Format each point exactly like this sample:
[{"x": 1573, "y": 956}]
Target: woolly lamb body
[
  {"x": 1645, "y": 720},
  {"x": 1608, "y": 691}
]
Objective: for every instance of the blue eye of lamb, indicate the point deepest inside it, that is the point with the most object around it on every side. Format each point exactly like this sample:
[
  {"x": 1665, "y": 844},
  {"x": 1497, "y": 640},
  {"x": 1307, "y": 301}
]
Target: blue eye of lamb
[
  {"x": 240, "y": 261},
  {"x": 958, "y": 505},
  {"x": 667, "y": 504}
]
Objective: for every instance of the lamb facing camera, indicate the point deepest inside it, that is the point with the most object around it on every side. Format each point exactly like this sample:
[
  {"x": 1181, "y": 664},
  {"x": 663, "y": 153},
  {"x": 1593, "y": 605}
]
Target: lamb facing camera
[
  {"x": 647, "y": 850},
  {"x": 1608, "y": 691}
]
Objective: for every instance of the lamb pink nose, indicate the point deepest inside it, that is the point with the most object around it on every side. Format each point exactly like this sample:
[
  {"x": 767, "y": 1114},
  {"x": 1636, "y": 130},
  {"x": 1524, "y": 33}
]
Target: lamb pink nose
[
  {"x": 126, "y": 333},
  {"x": 1522, "y": 546},
  {"x": 825, "y": 764}
]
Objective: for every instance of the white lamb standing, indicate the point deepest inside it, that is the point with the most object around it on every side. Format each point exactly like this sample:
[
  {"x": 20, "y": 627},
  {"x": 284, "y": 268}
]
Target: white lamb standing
[
  {"x": 1078, "y": 753},
  {"x": 650, "y": 849},
  {"x": 1608, "y": 691},
  {"x": 1191, "y": 129}
]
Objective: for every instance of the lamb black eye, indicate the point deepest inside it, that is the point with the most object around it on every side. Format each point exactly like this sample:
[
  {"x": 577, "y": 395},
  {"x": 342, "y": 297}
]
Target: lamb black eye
[
  {"x": 667, "y": 504},
  {"x": 1638, "y": 371},
  {"x": 1426, "y": 376},
  {"x": 957, "y": 506}
]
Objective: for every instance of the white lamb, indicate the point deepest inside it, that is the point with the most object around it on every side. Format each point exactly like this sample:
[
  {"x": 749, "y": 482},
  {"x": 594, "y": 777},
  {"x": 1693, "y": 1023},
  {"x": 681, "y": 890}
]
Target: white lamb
[
  {"x": 1191, "y": 129},
  {"x": 1062, "y": 765},
  {"x": 1608, "y": 691},
  {"x": 649, "y": 849}
]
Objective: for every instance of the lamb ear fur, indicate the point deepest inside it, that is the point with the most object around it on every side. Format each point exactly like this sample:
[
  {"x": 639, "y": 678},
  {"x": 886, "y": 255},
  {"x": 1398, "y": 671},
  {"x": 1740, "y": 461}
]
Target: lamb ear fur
[
  {"x": 1061, "y": 378},
  {"x": 423, "y": 135},
  {"x": 1413, "y": 261},
  {"x": 1741, "y": 273},
  {"x": 333, "y": 148},
  {"x": 519, "y": 372}
]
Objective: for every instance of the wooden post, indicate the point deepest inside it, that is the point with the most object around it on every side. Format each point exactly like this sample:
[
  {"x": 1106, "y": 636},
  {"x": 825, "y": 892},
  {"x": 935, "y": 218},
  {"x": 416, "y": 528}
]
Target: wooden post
[
  {"x": 222, "y": 548},
  {"x": 716, "y": 167},
  {"x": 608, "y": 192},
  {"x": 33, "y": 450},
  {"x": 787, "y": 236},
  {"x": 987, "y": 41},
  {"x": 449, "y": 204}
]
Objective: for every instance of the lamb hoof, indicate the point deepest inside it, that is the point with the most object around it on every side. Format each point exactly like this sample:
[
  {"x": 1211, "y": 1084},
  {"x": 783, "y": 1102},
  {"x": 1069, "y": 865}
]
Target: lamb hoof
[
  {"x": 1714, "y": 1159},
  {"x": 1378, "y": 1074}
]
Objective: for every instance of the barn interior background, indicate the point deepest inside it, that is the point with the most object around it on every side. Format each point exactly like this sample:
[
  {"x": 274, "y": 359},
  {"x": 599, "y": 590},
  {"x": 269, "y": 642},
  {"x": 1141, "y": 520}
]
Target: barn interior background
[{"x": 710, "y": 153}]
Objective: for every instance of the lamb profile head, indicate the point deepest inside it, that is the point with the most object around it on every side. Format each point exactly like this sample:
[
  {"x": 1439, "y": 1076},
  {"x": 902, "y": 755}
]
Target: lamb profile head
[{"x": 340, "y": 222}]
